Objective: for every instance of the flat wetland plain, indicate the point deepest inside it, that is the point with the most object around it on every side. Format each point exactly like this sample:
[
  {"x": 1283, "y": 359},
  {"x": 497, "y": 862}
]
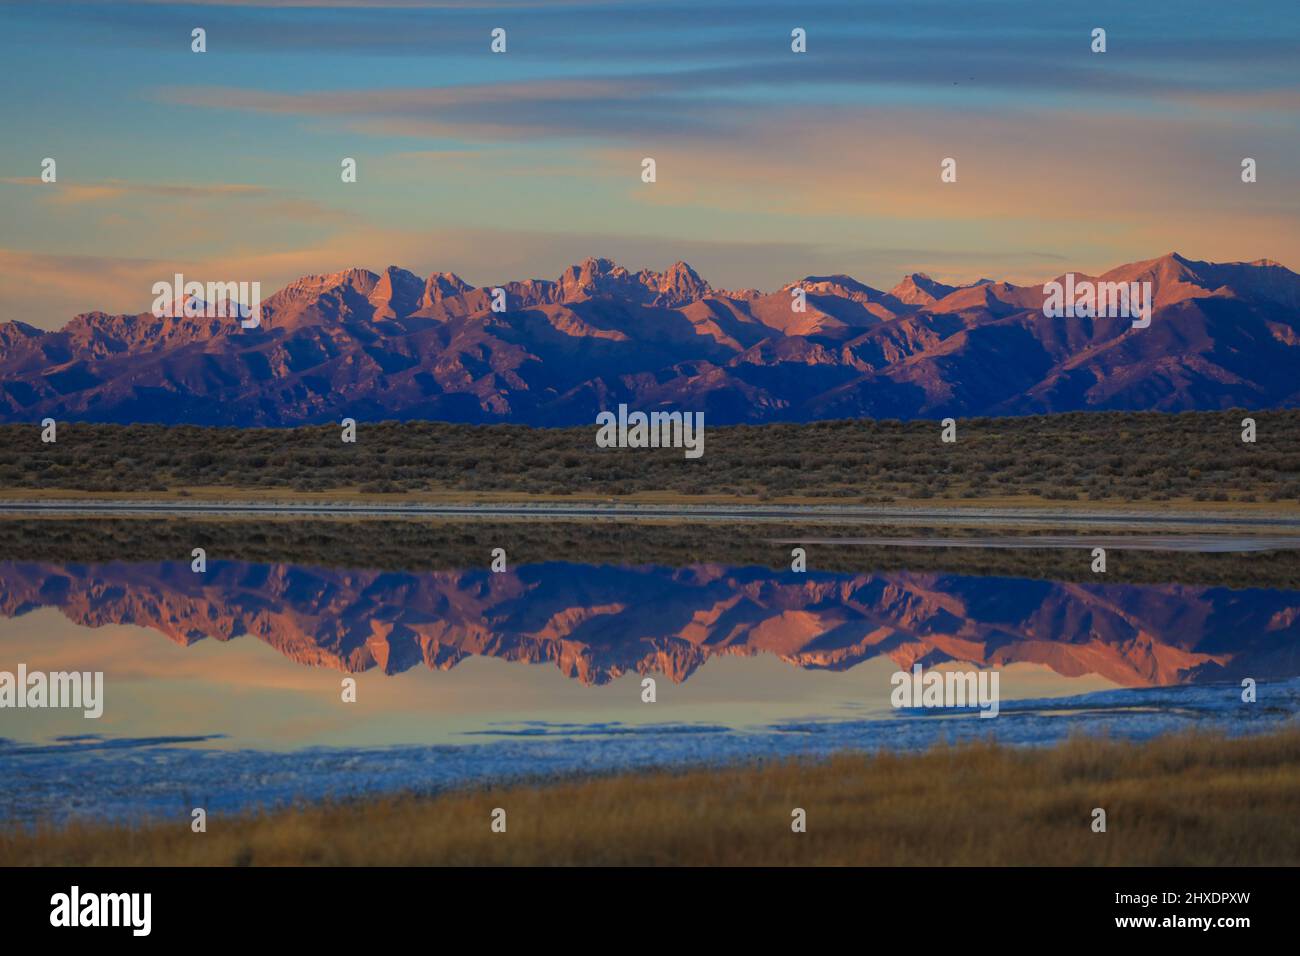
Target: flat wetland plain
[
  {"x": 1017, "y": 498},
  {"x": 1188, "y": 799},
  {"x": 1178, "y": 800},
  {"x": 1117, "y": 458},
  {"x": 411, "y": 544}
]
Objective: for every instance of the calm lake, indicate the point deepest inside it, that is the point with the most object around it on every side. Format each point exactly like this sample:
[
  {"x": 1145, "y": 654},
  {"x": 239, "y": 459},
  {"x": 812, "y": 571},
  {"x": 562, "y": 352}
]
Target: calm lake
[{"x": 225, "y": 689}]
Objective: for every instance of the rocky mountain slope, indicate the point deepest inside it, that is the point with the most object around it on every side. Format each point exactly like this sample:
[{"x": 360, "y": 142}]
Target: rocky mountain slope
[{"x": 398, "y": 346}]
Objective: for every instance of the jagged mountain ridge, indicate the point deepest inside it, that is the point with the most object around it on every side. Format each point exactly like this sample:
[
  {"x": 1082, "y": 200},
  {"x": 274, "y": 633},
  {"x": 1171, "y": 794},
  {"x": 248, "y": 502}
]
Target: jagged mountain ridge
[{"x": 393, "y": 345}]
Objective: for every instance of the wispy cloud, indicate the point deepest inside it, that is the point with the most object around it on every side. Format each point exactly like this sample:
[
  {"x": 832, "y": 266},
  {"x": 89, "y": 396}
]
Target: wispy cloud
[
  {"x": 771, "y": 164},
  {"x": 110, "y": 189}
]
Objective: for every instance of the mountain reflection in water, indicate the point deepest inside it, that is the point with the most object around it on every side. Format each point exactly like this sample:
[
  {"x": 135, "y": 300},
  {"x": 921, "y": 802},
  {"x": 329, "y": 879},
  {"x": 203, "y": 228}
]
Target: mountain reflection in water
[
  {"x": 597, "y": 623},
  {"x": 769, "y": 664}
]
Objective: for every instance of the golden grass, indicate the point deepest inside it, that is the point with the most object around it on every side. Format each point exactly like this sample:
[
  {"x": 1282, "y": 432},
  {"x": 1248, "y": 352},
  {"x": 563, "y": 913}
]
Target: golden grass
[{"x": 1181, "y": 800}]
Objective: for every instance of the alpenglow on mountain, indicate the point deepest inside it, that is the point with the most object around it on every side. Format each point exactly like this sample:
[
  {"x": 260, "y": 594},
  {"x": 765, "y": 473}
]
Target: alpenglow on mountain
[{"x": 396, "y": 346}]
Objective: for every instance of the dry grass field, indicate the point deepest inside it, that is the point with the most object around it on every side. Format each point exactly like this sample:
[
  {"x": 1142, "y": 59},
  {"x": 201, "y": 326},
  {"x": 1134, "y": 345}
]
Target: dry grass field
[
  {"x": 1118, "y": 458},
  {"x": 1181, "y": 800}
]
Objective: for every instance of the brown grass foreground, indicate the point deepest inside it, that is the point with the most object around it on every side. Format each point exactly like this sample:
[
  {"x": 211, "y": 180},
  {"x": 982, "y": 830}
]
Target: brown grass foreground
[{"x": 1181, "y": 800}]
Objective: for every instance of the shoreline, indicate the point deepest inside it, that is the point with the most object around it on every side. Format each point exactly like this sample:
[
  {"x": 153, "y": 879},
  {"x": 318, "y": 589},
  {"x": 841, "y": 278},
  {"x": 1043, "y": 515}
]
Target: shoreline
[
  {"x": 1184, "y": 799},
  {"x": 970, "y": 513}
]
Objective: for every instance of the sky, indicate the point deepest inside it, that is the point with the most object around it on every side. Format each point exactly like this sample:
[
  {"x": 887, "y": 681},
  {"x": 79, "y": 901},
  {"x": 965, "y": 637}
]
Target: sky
[{"x": 771, "y": 165}]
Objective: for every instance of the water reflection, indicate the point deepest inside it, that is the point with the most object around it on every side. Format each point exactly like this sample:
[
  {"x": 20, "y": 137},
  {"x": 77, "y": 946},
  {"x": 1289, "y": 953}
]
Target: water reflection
[
  {"x": 765, "y": 664},
  {"x": 596, "y": 623}
]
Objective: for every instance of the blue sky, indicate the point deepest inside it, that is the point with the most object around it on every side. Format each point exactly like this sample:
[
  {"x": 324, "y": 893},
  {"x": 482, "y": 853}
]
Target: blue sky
[{"x": 771, "y": 165}]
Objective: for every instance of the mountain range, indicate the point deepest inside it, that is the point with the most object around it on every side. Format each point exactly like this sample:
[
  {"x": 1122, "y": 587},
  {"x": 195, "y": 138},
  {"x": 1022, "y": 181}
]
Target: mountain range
[
  {"x": 394, "y": 345},
  {"x": 596, "y": 623}
]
